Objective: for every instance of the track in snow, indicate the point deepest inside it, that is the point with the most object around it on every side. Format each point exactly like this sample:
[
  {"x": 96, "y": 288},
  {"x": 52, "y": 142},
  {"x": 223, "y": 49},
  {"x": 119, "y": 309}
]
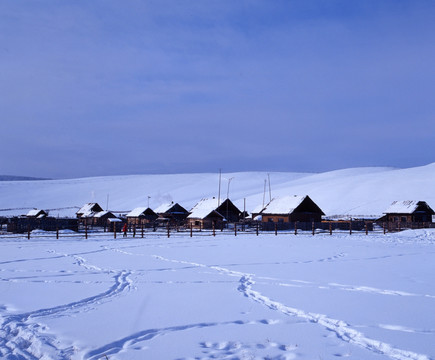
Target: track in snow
[
  {"x": 342, "y": 330},
  {"x": 22, "y": 335}
]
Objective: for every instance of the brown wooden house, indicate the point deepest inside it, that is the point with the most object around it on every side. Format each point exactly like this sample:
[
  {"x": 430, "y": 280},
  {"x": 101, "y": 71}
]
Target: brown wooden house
[
  {"x": 172, "y": 213},
  {"x": 289, "y": 209},
  {"x": 230, "y": 211},
  {"x": 88, "y": 210},
  {"x": 100, "y": 218},
  {"x": 408, "y": 214},
  {"x": 204, "y": 215},
  {"x": 36, "y": 213},
  {"x": 141, "y": 215}
]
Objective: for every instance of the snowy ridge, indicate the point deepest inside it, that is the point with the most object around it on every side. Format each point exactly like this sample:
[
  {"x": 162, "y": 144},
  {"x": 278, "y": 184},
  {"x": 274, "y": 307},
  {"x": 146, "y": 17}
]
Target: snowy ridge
[{"x": 348, "y": 192}]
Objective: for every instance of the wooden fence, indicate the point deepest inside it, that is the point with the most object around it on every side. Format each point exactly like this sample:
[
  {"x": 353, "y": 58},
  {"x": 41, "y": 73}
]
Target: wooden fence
[{"x": 54, "y": 226}]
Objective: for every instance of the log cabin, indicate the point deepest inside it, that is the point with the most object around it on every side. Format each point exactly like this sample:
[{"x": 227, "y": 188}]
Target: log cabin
[
  {"x": 408, "y": 214},
  {"x": 289, "y": 209}
]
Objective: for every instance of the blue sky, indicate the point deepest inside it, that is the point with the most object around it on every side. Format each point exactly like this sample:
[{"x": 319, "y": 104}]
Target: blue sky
[{"x": 132, "y": 87}]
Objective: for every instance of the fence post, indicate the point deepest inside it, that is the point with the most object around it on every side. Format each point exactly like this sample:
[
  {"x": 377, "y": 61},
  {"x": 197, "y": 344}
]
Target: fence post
[
  {"x": 141, "y": 228},
  {"x": 257, "y": 229},
  {"x": 168, "y": 231},
  {"x": 191, "y": 230},
  {"x": 200, "y": 226},
  {"x": 214, "y": 230},
  {"x": 86, "y": 229},
  {"x": 296, "y": 227},
  {"x": 383, "y": 225},
  {"x": 350, "y": 227},
  {"x": 57, "y": 232},
  {"x": 276, "y": 229},
  {"x": 235, "y": 230},
  {"x": 313, "y": 227},
  {"x": 134, "y": 230},
  {"x": 114, "y": 230},
  {"x": 28, "y": 232},
  {"x": 367, "y": 229}
]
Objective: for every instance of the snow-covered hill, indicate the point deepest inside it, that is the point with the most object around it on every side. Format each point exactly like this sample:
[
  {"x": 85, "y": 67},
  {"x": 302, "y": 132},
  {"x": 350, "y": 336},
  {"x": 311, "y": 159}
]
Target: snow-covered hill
[{"x": 353, "y": 192}]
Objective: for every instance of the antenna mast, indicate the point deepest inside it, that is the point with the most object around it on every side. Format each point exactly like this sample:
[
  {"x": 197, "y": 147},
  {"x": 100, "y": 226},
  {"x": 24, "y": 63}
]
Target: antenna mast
[
  {"x": 270, "y": 191},
  {"x": 219, "y": 193},
  {"x": 264, "y": 192}
]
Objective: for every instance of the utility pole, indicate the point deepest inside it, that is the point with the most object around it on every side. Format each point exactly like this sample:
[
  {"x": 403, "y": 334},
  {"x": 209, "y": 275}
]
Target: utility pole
[
  {"x": 228, "y": 190},
  {"x": 228, "y": 195}
]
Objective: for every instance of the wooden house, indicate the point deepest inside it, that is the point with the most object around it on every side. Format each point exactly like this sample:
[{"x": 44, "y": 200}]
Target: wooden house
[
  {"x": 204, "y": 215},
  {"x": 288, "y": 209},
  {"x": 100, "y": 218},
  {"x": 230, "y": 211},
  {"x": 141, "y": 215},
  {"x": 88, "y": 210},
  {"x": 408, "y": 214},
  {"x": 37, "y": 214},
  {"x": 172, "y": 213}
]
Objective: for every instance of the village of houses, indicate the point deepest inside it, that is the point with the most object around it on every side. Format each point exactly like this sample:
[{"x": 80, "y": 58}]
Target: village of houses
[{"x": 281, "y": 213}]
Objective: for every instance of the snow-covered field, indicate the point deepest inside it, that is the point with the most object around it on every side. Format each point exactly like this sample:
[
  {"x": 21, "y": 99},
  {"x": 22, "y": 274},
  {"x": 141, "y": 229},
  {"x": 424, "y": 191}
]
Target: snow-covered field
[
  {"x": 358, "y": 192},
  {"x": 223, "y": 297}
]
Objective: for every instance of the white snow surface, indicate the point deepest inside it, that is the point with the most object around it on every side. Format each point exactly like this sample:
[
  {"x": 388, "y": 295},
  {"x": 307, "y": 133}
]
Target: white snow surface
[
  {"x": 349, "y": 192},
  {"x": 225, "y": 297}
]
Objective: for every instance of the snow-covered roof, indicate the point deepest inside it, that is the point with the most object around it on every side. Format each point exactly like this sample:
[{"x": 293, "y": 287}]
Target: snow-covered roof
[
  {"x": 163, "y": 208},
  {"x": 86, "y": 210},
  {"x": 402, "y": 207},
  {"x": 283, "y": 205},
  {"x": 102, "y": 213},
  {"x": 203, "y": 208},
  {"x": 34, "y": 212},
  {"x": 137, "y": 212},
  {"x": 258, "y": 209}
]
